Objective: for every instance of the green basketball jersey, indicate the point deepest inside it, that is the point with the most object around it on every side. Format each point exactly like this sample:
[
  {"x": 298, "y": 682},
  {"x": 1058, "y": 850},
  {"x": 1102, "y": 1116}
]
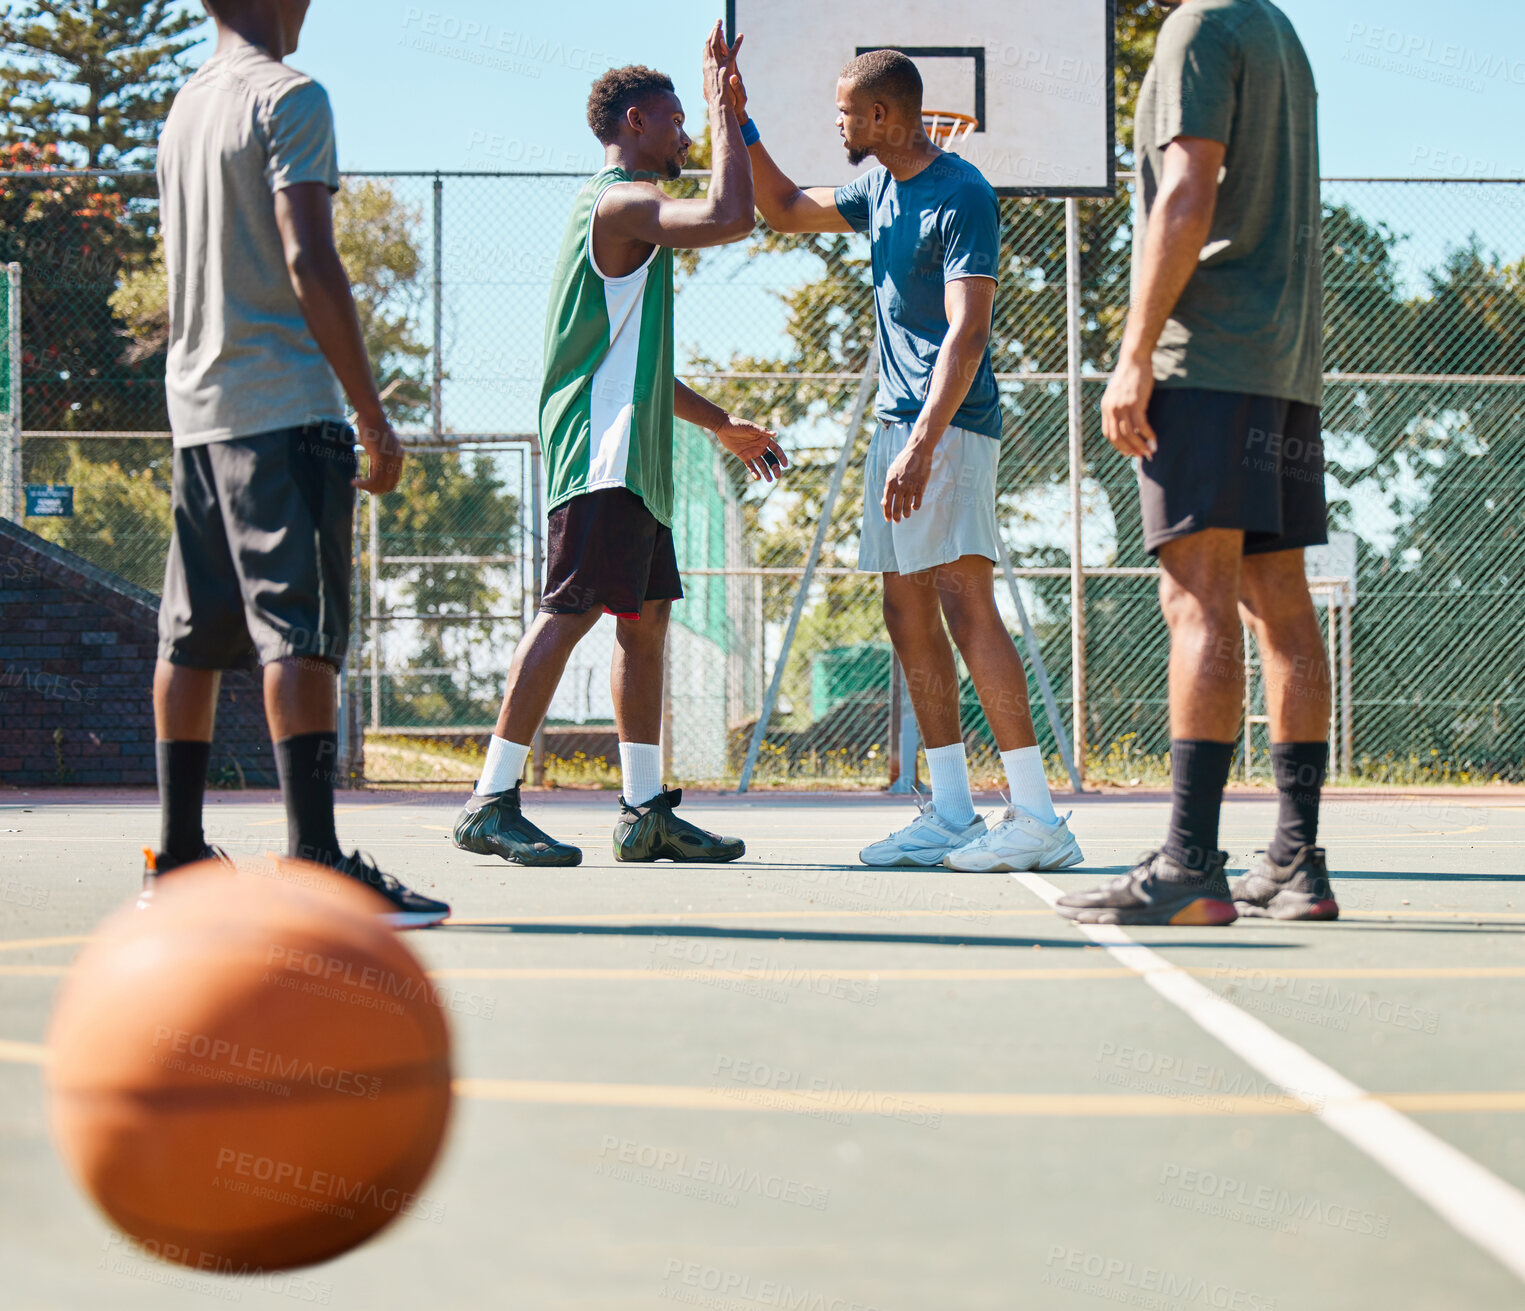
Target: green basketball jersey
[{"x": 606, "y": 402}]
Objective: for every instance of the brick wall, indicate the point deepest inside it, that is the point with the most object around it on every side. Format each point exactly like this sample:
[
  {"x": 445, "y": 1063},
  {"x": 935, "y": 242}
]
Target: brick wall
[{"x": 77, "y": 648}]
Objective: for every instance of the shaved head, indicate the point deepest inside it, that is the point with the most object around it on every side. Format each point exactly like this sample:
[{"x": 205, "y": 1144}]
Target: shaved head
[{"x": 886, "y": 76}]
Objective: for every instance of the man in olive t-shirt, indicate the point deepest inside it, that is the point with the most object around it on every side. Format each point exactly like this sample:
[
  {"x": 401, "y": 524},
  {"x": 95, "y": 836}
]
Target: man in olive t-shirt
[{"x": 1216, "y": 391}]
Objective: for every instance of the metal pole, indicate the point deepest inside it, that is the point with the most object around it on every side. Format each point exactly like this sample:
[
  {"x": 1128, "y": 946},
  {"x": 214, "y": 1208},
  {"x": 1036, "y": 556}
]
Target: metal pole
[
  {"x": 1249, "y": 706},
  {"x": 664, "y": 737},
  {"x": 1347, "y": 714},
  {"x": 375, "y": 554},
  {"x": 892, "y": 729},
  {"x": 1334, "y": 661},
  {"x": 437, "y": 389},
  {"x": 849, "y": 440},
  {"x": 14, "y": 495},
  {"x": 1046, "y": 688},
  {"x": 345, "y": 775},
  {"x": 908, "y": 738},
  {"x": 537, "y": 748},
  {"x": 1077, "y": 465}
]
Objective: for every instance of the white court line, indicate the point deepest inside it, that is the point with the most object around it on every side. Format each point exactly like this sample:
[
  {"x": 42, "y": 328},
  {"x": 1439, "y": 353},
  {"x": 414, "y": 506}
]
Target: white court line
[{"x": 1476, "y": 1202}]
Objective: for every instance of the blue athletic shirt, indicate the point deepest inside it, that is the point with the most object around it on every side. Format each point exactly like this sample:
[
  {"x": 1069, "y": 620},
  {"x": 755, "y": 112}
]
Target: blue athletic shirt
[{"x": 942, "y": 224}]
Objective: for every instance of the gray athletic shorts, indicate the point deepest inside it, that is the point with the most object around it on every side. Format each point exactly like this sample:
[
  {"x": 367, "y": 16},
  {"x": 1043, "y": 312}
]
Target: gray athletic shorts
[
  {"x": 259, "y": 565},
  {"x": 957, "y": 515}
]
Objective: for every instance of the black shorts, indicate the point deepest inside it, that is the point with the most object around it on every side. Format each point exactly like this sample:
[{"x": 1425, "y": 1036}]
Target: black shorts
[
  {"x": 605, "y": 548},
  {"x": 1231, "y": 460},
  {"x": 259, "y": 564}
]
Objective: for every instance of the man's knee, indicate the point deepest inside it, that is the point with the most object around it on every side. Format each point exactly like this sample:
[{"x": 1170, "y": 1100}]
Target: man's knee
[
  {"x": 970, "y": 616},
  {"x": 1197, "y": 605},
  {"x": 906, "y": 608}
]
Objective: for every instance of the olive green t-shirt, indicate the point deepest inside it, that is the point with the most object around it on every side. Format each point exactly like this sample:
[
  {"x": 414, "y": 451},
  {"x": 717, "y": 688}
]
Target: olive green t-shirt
[{"x": 1250, "y": 319}]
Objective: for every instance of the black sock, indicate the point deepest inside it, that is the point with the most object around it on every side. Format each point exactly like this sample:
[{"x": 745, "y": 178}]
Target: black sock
[
  {"x": 182, "y": 784},
  {"x": 1299, "y": 768},
  {"x": 306, "y": 765},
  {"x": 1198, "y": 772}
]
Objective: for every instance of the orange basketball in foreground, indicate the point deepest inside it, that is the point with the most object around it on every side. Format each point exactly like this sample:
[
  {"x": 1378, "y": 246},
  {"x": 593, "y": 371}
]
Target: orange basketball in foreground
[{"x": 252, "y": 1074}]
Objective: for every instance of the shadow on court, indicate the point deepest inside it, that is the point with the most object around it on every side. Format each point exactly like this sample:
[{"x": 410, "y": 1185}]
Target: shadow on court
[{"x": 816, "y": 935}]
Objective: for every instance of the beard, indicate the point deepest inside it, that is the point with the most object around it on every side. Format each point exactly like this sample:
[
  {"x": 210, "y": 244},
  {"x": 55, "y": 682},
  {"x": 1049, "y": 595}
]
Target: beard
[
  {"x": 674, "y": 168},
  {"x": 855, "y": 156}
]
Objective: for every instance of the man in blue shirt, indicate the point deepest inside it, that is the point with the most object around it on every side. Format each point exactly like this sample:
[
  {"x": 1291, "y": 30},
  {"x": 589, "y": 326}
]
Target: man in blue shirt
[{"x": 929, "y": 515}]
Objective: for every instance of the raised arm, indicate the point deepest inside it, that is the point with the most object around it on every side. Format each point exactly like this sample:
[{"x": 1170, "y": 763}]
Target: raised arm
[
  {"x": 643, "y": 213},
  {"x": 1179, "y": 224},
  {"x": 784, "y": 206},
  {"x": 304, "y": 217}
]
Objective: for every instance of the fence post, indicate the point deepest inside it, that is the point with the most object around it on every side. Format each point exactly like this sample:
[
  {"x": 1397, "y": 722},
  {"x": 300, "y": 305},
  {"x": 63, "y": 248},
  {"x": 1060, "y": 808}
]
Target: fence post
[
  {"x": 1077, "y": 463},
  {"x": 437, "y": 387},
  {"x": 12, "y": 493},
  {"x": 1040, "y": 671},
  {"x": 375, "y": 608},
  {"x": 844, "y": 458},
  {"x": 1347, "y": 714},
  {"x": 537, "y": 748},
  {"x": 905, "y": 736}
]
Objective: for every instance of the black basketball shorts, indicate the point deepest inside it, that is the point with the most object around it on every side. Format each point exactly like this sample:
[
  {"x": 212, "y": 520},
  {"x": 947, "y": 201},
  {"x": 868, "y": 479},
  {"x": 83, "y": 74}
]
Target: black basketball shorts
[
  {"x": 1232, "y": 460},
  {"x": 605, "y": 548}
]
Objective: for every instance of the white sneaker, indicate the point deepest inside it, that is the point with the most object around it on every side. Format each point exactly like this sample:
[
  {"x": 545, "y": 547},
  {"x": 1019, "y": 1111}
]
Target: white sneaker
[
  {"x": 925, "y": 841},
  {"x": 1020, "y": 842}
]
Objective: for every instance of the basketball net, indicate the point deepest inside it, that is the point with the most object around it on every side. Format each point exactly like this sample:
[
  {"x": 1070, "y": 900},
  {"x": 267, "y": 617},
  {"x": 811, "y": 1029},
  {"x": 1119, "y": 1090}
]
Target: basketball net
[{"x": 946, "y": 129}]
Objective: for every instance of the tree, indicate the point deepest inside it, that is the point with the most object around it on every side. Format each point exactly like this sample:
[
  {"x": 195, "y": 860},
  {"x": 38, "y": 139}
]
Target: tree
[{"x": 93, "y": 78}]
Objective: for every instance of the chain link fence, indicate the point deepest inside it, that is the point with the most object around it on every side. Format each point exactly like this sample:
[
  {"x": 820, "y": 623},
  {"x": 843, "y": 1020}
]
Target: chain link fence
[{"x": 1423, "y": 594}]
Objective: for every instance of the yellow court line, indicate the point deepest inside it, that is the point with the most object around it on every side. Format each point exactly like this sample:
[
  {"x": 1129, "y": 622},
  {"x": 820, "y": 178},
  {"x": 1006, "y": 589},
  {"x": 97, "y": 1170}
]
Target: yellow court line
[
  {"x": 848, "y": 1101},
  {"x": 784, "y": 974},
  {"x": 23, "y": 944},
  {"x": 1458, "y": 1101},
  {"x": 22, "y": 1053},
  {"x": 912, "y": 1106},
  {"x": 1241, "y": 972}
]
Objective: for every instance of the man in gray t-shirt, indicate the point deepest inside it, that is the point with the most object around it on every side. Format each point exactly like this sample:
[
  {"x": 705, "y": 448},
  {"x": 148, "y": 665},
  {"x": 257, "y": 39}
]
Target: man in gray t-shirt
[
  {"x": 263, "y": 333},
  {"x": 242, "y": 359},
  {"x": 1216, "y": 392}
]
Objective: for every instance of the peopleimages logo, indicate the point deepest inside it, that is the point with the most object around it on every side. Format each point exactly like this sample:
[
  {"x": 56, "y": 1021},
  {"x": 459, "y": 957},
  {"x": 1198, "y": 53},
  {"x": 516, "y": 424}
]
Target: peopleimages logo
[{"x": 1409, "y": 54}]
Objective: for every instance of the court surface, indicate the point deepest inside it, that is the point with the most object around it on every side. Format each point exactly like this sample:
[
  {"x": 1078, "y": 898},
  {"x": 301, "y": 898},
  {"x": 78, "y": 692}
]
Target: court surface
[{"x": 796, "y": 1082}]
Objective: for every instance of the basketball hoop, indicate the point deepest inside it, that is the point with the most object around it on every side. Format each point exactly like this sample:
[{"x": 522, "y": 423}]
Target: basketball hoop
[{"x": 946, "y": 129}]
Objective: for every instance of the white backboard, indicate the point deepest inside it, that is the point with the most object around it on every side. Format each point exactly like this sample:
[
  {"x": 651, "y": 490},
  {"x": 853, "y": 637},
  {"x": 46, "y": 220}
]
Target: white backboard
[{"x": 1036, "y": 73}]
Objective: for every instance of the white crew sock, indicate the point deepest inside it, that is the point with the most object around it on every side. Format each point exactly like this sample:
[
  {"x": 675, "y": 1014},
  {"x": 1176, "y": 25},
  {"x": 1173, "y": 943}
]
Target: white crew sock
[
  {"x": 640, "y": 772},
  {"x": 504, "y": 767},
  {"x": 950, "y": 784},
  {"x": 1029, "y": 789}
]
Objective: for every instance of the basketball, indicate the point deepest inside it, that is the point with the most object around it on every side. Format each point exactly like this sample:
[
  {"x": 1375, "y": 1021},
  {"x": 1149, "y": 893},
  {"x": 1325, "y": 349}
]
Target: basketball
[{"x": 253, "y": 1074}]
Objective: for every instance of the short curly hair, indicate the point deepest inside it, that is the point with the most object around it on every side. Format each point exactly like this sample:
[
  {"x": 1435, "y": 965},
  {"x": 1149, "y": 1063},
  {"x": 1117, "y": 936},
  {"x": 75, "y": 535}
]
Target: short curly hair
[{"x": 616, "y": 91}]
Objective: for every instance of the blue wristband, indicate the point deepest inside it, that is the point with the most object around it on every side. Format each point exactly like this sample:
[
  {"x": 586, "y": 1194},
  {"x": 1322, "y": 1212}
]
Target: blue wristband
[{"x": 750, "y": 136}]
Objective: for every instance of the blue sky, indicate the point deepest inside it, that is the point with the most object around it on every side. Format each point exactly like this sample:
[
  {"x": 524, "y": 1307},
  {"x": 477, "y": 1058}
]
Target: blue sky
[
  {"x": 1430, "y": 91},
  {"x": 406, "y": 97}
]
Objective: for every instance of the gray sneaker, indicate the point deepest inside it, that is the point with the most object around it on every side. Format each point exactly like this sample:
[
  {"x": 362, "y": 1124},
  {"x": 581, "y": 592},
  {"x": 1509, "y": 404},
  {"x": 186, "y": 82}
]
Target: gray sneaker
[
  {"x": 1157, "y": 890},
  {"x": 1298, "y": 890}
]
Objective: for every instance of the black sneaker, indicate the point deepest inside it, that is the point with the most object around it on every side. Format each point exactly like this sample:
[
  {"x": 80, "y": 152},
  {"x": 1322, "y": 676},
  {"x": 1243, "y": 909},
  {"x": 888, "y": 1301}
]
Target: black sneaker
[
  {"x": 156, "y": 864},
  {"x": 653, "y": 832},
  {"x": 1298, "y": 890},
  {"x": 494, "y": 825},
  {"x": 410, "y": 910},
  {"x": 1157, "y": 890}
]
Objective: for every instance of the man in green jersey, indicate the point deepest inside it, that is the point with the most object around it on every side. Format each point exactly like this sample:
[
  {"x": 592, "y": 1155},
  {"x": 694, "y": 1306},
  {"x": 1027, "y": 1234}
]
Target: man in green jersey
[{"x": 606, "y": 414}]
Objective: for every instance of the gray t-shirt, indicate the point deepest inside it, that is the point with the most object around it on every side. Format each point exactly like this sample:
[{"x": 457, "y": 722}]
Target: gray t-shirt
[
  {"x": 241, "y": 357},
  {"x": 1251, "y": 318}
]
